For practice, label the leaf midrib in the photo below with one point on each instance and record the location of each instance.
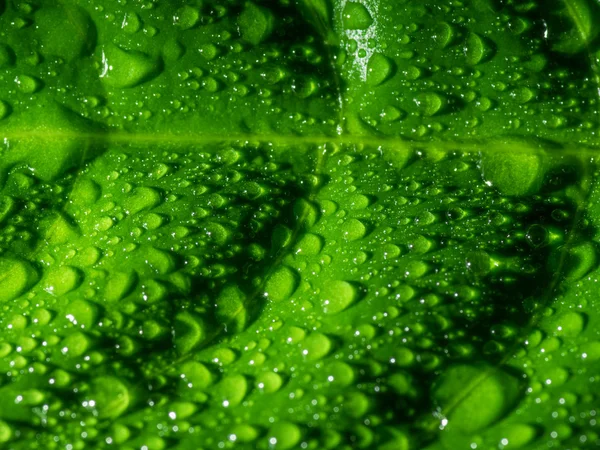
(467, 146)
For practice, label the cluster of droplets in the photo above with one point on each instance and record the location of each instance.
(447, 69)
(214, 66)
(276, 297)
(127, 267)
(248, 295)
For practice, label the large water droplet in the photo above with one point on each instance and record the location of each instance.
(356, 16)
(16, 276)
(62, 280)
(281, 284)
(337, 296)
(379, 69)
(494, 388)
(126, 69)
(353, 229)
(316, 346)
(284, 435)
(255, 23)
(188, 332)
(110, 396)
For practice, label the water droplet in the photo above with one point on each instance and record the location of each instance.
(6, 432)
(537, 236)
(126, 69)
(498, 390)
(353, 229)
(118, 285)
(443, 34)
(75, 344)
(379, 69)
(340, 374)
(231, 390)
(316, 346)
(186, 17)
(53, 23)
(5, 109)
(513, 172)
(590, 351)
(579, 261)
(305, 86)
(391, 114)
(284, 435)
(522, 95)
(16, 276)
(81, 313)
(188, 332)
(475, 49)
(210, 52)
(429, 103)
(518, 435)
(172, 51)
(337, 295)
(281, 284)
(420, 245)
(131, 23)
(356, 16)
(269, 382)
(309, 245)
(7, 56)
(217, 233)
(110, 396)
(85, 192)
(61, 280)
(244, 433)
(356, 404)
(479, 262)
(358, 201)
(195, 376)
(28, 84)
(255, 23)
(230, 308)
(159, 261)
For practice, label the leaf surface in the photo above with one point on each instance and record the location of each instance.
(308, 224)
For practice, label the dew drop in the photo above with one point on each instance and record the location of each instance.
(337, 295)
(28, 84)
(379, 69)
(283, 436)
(110, 396)
(309, 245)
(316, 346)
(231, 390)
(429, 103)
(16, 276)
(7, 56)
(356, 16)
(127, 69)
(4, 109)
(269, 382)
(255, 23)
(281, 284)
(188, 332)
(186, 17)
(62, 280)
(474, 49)
(353, 229)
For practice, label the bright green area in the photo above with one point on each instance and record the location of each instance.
(299, 224)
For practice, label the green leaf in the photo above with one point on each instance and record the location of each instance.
(298, 224)
(581, 14)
